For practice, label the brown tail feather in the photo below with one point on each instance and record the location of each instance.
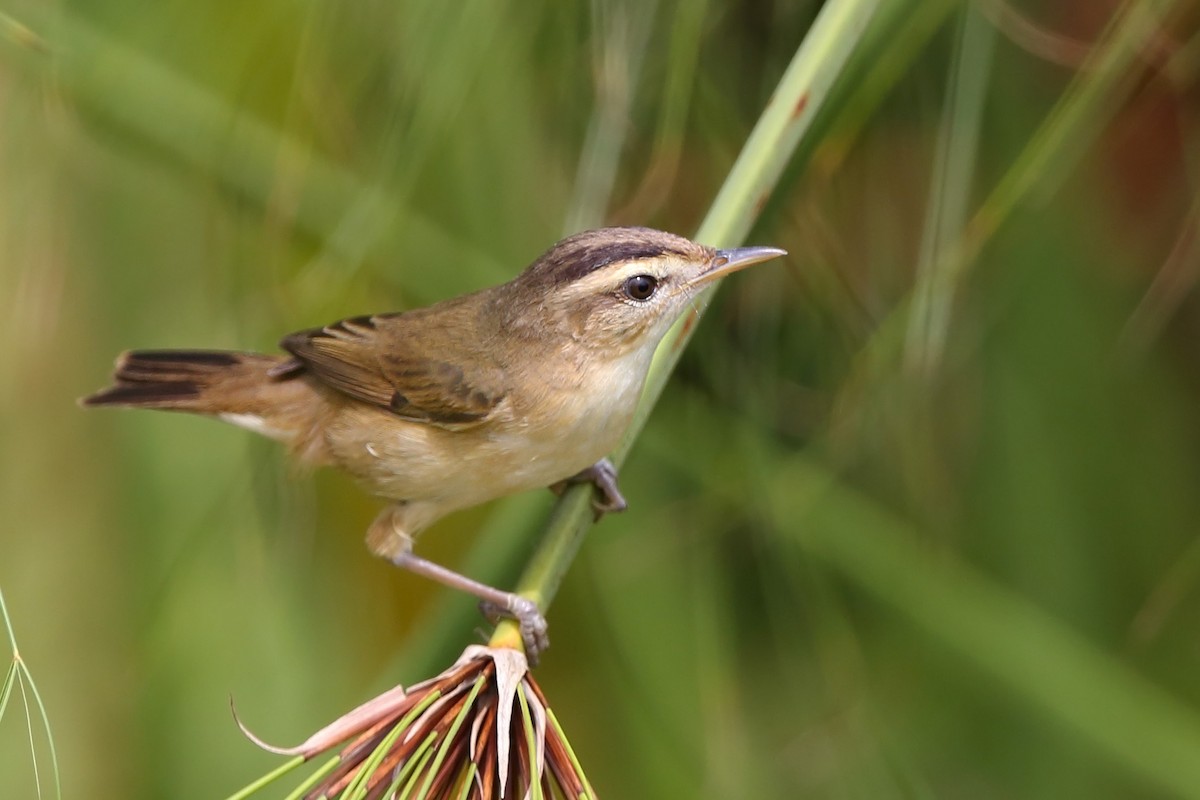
(165, 379)
(204, 382)
(184, 380)
(260, 392)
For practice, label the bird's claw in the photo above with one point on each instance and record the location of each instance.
(602, 475)
(532, 623)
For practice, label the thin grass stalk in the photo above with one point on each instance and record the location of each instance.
(357, 788)
(19, 675)
(334, 770)
(10, 677)
(16, 655)
(314, 779)
(268, 779)
(530, 746)
(410, 768)
(410, 783)
(451, 733)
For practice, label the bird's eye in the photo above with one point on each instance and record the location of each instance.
(640, 287)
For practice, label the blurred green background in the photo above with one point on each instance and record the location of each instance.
(894, 532)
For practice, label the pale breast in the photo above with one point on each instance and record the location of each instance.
(532, 441)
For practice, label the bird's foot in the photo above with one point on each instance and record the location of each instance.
(531, 621)
(602, 475)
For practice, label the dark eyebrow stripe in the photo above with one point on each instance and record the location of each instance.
(592, 259)
(584, 253)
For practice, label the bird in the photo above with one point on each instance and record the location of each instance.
(527, 384)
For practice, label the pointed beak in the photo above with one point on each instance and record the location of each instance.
(728, 261)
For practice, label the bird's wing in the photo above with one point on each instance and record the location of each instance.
(411, 364)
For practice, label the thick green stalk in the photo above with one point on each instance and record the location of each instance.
(788, 116)
(837, 32)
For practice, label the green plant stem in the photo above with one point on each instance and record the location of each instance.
(801, 92)
(837, 32)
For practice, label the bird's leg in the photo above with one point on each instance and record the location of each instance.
(522, 609)
(387, 539)
(602, 475)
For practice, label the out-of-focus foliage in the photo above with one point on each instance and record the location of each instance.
(856, 564)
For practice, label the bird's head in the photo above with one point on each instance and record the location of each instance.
(618, 290)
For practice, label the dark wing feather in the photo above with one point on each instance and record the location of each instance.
(419, 366)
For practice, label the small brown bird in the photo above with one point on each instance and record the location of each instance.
(522, 385)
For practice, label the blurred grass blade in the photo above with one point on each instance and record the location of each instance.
(1046, 664)
(194, 126)
(687, 25)
(620, 49)
(1104, 83)
(950, 193)
(898, 34)
(1100, 88)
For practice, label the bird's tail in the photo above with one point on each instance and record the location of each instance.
(259, 392)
